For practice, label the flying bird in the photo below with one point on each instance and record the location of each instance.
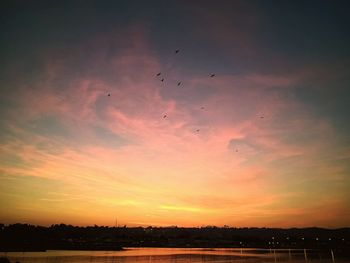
(261, 117)
(159, 74)
(212, 75)
(202, 108)
(177, 51)
(109, 94)
(162, 80)
(197, 130)
(179, 83)
(164, 116)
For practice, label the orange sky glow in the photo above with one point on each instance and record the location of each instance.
(238, 149)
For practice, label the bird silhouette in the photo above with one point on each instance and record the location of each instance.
(197, 130)
(162, 80)
(177, 51)
(202, 108)
(261, 117)
(164, 116)
(212, 75)
(179, 83)
(109, 94)
(159, 74)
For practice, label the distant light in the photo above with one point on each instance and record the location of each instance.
(287, 237)
(343, 239)
(317, 238)
(269, 243)
(273, 237)
(277, 242)
(302, 238)
(329, 239)
(240, 243)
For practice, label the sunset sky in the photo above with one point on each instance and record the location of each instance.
(265, 142)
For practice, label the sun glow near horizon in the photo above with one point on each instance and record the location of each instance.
(84, 139)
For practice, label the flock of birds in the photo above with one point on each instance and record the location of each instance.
(178, 84)
(159, 75)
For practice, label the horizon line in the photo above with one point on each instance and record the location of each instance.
(173, 226)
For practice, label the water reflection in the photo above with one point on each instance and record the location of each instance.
(165, 255)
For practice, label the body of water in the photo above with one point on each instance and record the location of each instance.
(179, 255)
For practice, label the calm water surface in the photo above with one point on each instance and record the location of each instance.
(179, 255)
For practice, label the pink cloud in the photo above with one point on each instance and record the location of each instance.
(165, 162)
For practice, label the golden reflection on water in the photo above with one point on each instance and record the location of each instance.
(165, 255)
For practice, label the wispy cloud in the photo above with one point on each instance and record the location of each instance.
(238, 148)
